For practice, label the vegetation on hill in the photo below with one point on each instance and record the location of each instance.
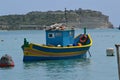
(78, 18)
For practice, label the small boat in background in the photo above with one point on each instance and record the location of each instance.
(119, 27)
(60, 44)
(6, 61)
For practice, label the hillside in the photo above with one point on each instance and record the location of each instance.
(38, 20)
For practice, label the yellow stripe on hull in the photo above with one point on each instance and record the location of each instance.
(32, 52)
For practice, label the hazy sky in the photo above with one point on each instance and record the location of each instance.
(107, 7)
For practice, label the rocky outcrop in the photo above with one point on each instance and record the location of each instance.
(38, 20)
(95, 22)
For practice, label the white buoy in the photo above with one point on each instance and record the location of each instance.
(110, 52)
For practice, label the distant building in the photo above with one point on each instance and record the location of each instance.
(4, 27)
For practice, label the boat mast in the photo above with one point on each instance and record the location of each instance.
(66, 16)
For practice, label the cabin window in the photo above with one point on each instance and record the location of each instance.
(51, 35)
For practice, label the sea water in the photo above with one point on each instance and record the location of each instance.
(97, 67)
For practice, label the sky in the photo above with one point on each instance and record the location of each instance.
(107, 7)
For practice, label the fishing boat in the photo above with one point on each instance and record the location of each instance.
(60, 44)
(6, 61)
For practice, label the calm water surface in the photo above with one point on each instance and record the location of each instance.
(97, 67)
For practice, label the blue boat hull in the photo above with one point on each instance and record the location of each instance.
(38, 58)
